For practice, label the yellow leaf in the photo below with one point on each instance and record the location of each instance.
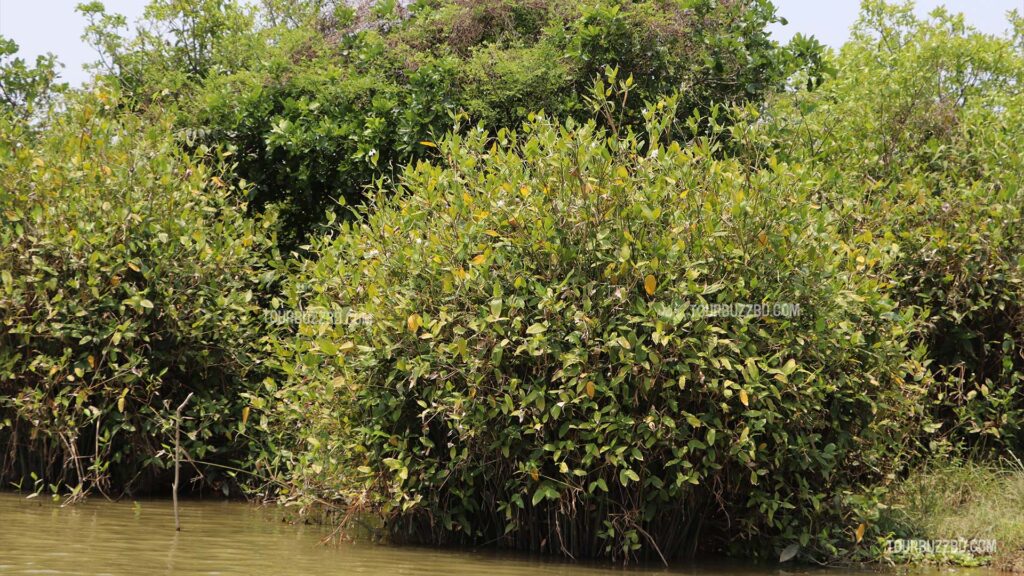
(744, 399)
(414, 322)
(860, 531)
(534, 474)
(133, 266)
(347, 346)
(106, 170)
(245, 415)
(479, 259)
(762, 238)
(428, 144)
(492, 233)
(92, 361)
(120, 404)
(650, 283)
(115, 281)
(590, 390)
(217, 181)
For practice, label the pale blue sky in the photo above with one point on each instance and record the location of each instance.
(40, 26)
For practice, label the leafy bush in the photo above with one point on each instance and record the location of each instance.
(128, 276)
(521, 355)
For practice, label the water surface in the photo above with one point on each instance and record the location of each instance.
(38, 536)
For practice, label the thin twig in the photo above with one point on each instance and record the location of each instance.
(177, 459)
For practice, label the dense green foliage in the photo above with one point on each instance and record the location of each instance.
(129, 278)
(918, 143)
(531, 329)
(317, 112)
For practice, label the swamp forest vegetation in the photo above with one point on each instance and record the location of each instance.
(457, 268)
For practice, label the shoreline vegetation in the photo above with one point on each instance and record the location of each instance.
(620, 279)
(948, 502)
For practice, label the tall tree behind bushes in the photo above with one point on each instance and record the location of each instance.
(317, 100)
(27, 90)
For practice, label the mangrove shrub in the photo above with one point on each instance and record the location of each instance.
(572, 341)
(127, 280)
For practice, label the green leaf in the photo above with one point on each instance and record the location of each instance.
(546, 490)
(625, 475)
(536, 329)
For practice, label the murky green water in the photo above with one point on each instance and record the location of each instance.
(38, 536)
